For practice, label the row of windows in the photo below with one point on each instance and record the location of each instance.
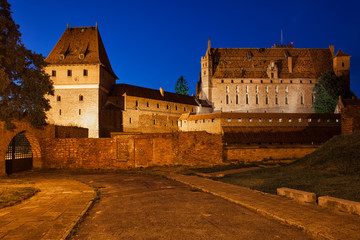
(61, 112)
(256, 89)
(158, 106)
(271, 81)
(58, 98)
(154, 121)
(69, 73)
(270, 120)
(266, 99)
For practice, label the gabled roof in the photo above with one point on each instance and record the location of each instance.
(135, 91)
(341, 54)
(80, 40)
(253, 62)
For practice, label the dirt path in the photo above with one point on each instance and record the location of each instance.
(148, 207)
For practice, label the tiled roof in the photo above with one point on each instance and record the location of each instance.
(350, 102)
(135, 91)
(80, 40)
(341, 54)
(253, 62)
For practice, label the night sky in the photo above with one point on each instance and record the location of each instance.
(153, 43)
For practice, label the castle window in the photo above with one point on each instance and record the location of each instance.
(58, 98)
(176, 107)
(69, 73)
(239, 119)
(147, 104)
(280, 81)
(196, 121)
(290, 81)
(232, 81)
(154, 121)
(184, 109)
(213, 120)
(261, 81)
(256, 89)
(237, 99)
(319, 120)
(242, 81)
(204, 120)
(270, 119)
(237, 89)
(136, 103)
(158, 105)
(342, 64)
(130, 120)
(79, 111)
(250, 119)
(336, 120)
(280, 119)
(257, 99)
(59, 111)
(259, 119)
(276, 89)
(247, 99)
(286, 89)
(310, 81)
(309, 120)
(272, 75)
(222, 81)
(302, 99)
(247, 88)
(192, 109)
(286, 99)
(85, 72)
(250, 81)
(81, 98)
(53, 73)
(229, 119)
(300, 81)
(290, 120)
(172, 122)
(167, 107)
(299, 120)
(267, 89)
(227, 89)
(204, 72)
(276, 100)
(227, 99)
(266, 99)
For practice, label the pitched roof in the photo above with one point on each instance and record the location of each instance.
(135, 91)
(253, 62)
(80, 40)
(341, 54)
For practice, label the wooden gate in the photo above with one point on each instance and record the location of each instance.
(19, 155)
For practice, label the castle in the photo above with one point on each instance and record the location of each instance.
(242, 80)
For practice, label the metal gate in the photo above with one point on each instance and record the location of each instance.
(19, 155)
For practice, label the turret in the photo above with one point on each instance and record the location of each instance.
(341, 66)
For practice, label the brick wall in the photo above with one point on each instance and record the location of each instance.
(350, 119)
(257, 154)
(134, 150)
(71, 132)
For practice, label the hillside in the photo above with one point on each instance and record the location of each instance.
(334, 170)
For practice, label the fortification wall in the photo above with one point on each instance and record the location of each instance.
(250, 154)
(134, 150)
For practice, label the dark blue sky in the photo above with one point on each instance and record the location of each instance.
(152, 43)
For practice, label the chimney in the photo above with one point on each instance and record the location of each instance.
(290, 67)
(332, 50)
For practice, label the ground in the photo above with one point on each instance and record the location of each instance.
(133, 206)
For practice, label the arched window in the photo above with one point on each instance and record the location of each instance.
(237, 99)
(247, 98)
(81, 98)
(227, 99)
(58, 98)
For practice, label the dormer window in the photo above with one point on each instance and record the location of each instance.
(61, 56)
(81, 56)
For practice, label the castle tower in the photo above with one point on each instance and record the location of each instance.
(206, 67)
(341, 66)
(82, 75)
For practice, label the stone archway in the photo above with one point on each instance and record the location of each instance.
(19, 156)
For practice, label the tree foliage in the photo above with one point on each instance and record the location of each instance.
(182, 87)
(23, 82)
(327, 91)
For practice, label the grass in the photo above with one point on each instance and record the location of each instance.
(13, 195)
(333, 170)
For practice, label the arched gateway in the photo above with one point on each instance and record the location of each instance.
(19, 154)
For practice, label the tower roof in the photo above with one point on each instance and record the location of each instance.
(341, 54)
(80, 45)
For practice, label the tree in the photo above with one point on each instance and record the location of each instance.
(23, 82)
(182, 86)
(327, 91)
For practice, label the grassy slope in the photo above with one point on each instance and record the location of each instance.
(333, 170)
(13, 195)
